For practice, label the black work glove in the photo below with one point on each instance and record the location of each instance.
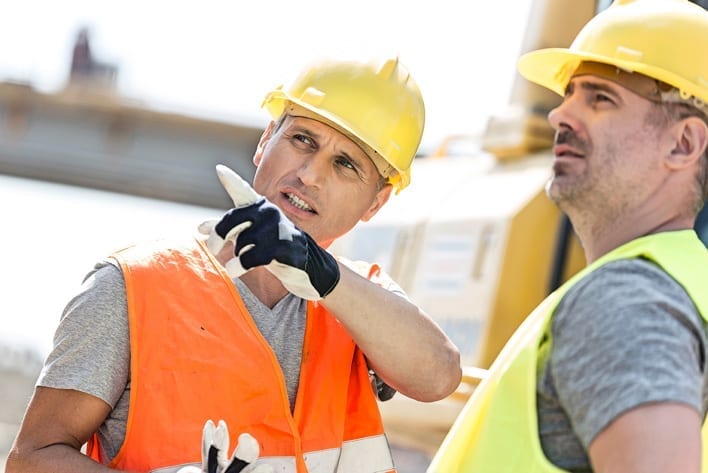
(264, 236)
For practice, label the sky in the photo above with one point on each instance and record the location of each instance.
(218, 58)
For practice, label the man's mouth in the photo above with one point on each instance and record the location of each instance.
(567, 144)
(561, 151)
(299, 203)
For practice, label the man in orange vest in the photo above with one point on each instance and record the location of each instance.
(258, 325)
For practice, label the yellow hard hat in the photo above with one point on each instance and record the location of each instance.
(377, 105)
(662, 39)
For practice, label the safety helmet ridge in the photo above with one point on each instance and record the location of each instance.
(632, 36)
(377, 105)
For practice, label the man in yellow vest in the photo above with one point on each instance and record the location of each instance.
(277, 338)
(609, 373)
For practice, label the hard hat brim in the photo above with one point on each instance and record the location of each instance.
(553, 68)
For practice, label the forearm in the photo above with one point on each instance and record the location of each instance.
(55, 458)
(55, 426)
(660, 438)
(405, 347)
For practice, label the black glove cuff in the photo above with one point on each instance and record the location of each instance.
(321, 267)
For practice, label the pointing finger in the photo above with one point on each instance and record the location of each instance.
(239, 190)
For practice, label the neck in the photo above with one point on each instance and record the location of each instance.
(600, 237)
(266, 287)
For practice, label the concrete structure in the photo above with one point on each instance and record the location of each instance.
(88, 136)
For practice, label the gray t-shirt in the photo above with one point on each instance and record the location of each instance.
(626, 335)
(91, 351)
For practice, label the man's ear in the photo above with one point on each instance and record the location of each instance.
(691, 139)
(380, 199)
(267, 134)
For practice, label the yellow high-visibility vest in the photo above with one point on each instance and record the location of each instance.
(497, 431)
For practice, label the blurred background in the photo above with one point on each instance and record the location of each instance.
(113, 115)
(218, 58)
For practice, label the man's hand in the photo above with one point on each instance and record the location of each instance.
(215, 446)
(264, 236)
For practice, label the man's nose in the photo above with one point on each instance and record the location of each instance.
(314, 170)
(564, 115)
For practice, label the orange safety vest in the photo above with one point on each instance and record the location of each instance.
(196, 354)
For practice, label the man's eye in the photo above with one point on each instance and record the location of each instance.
(603, 98)
(303, 138)
(344, 162)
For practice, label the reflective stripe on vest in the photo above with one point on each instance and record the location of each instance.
(196, 354)
(370, 454)
(497, 431)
